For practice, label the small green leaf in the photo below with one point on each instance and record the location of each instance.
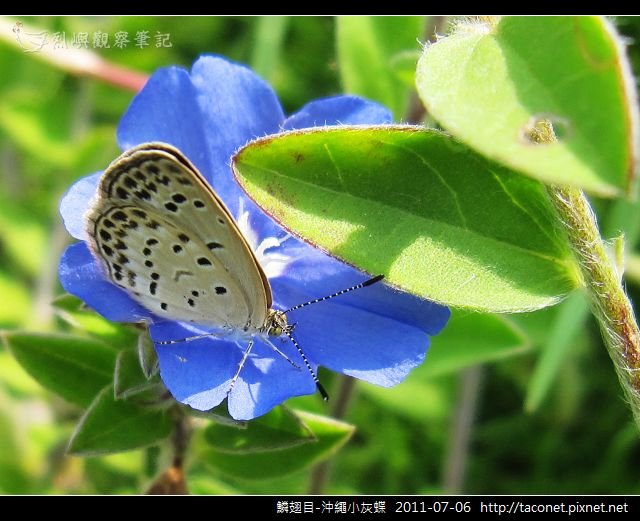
(128, 378)
(76, 368)
(330, 435)
(427, 212)
(111, 425)
(471, 339)
(369, 47)
(492, 83)
(277, 430)
(147, 357)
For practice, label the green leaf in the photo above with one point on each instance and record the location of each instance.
(111, 425)
(330, 435)
(490, 84)
(76, 368)
(129, 378)
(471, 339)
(417, 399)
(468, 339)
(431, 215)
(368, 48)
(569, 321)
(16, 307)
(147, 357)
(13, 476)
(269, 38)
(22, 237)
(277, 430)
(73, 311)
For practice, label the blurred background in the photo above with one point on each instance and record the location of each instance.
(534, 407)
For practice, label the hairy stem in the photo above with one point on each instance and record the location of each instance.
(609, 303)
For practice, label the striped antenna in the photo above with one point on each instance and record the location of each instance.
(364, 284)
(323, 392)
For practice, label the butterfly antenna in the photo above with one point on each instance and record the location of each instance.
(323, 391)
(364, 284)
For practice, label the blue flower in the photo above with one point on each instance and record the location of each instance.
(376, 334)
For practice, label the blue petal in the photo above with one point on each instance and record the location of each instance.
(166, 110)
(267, 380)
(197, 372)
(75, 203)
(80, 275)
(375, 333)
(316, 274)
(207, 115)
(237, 106)
(339, 110)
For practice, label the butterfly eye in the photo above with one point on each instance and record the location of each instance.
(275, 330)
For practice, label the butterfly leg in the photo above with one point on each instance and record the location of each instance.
(187, 339)
(240, 366)
(272, 346)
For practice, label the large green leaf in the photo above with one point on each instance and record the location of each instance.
(277, 430)
(490, 84)
(111, 425)
(369, 48)
(76, 368)
(430, 214)
(330, 435)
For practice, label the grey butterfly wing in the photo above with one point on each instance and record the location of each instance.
(164, 236)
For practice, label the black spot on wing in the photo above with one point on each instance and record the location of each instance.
(129, 182)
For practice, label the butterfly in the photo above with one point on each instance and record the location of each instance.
(163, 235)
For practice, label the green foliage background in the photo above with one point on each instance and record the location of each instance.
(542, 412)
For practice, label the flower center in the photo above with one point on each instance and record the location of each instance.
(271, 258)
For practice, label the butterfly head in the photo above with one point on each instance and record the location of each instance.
(276, 324)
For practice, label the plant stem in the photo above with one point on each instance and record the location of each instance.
(172, 481)
(320, 472)
(455, 462)
(78, 62)
(609, 303)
